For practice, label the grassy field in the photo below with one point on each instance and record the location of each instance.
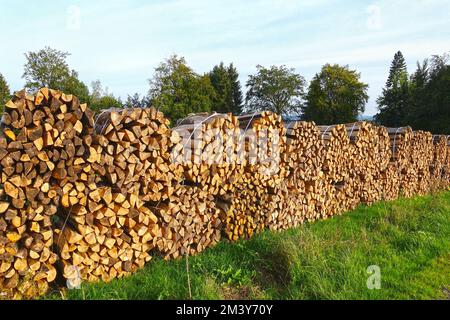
(408, 239)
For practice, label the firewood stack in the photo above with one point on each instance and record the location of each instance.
(242, 213)
(438, 164)
(390, 182)
(263, 141)
(303, 153)
(41, 150)
(338, 166)
(137, 152)
(189, 222)
(210, 151)
(309, 190)
(401, 158)
(422, 158)
(446, 169)
(111, 234)
(108, 239)
(371, 157)
(103, 197)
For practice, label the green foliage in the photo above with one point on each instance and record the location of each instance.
(336, 95)
(277, 89)
(101, 99)
(135, 101)
(430, 96)
(421, 101)
(105, 102)
(409, 239)
(4, 92)
(48, 68)
(228, 96)
(177, 90)
(394, 102)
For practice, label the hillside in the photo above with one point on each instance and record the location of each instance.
(409, 239)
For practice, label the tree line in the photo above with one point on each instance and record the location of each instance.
(421, 99)
(335, 94)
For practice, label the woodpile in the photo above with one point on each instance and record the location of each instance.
(262, 142)
(338, 167)
(437, 167)
(137, 147)
(189, 223)
(446, 169)
(390, 182)
(312, 193)
(241, 212)
(43, 145)
(109, 238)
(371, 156)
(210, 151)
(303, 154)
(94, 200)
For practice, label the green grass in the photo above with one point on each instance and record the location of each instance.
(409, 239)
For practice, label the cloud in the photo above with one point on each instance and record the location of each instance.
(73, 20)
(374, 21)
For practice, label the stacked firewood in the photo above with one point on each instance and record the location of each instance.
(210, 151)
(189, 222)
(138, 146)
(401, 158)
(415, 175)
(423, 150)
(244, 211)
(112, 232)
(264, 140)
(102, 197)
(41, 153)
(390, 182)
(310, 194)
(446, 169)
(109, 238)
(303, 153)
(284, 208)
(437, 168)
(371, 157)
(338, 167)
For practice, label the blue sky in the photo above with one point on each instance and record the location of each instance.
(121, 42)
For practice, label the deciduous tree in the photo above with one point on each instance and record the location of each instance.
(335, 95)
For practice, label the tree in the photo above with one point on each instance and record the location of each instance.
(96, 90)
(335, 95)
(4, 92)
(277, 89)
(225, 81)
(177, 90)
(430, 96)
(394, 101)
(101, 99)
(48, 68)
(106, 102)
(135, 101)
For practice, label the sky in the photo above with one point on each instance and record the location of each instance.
(121, 42)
